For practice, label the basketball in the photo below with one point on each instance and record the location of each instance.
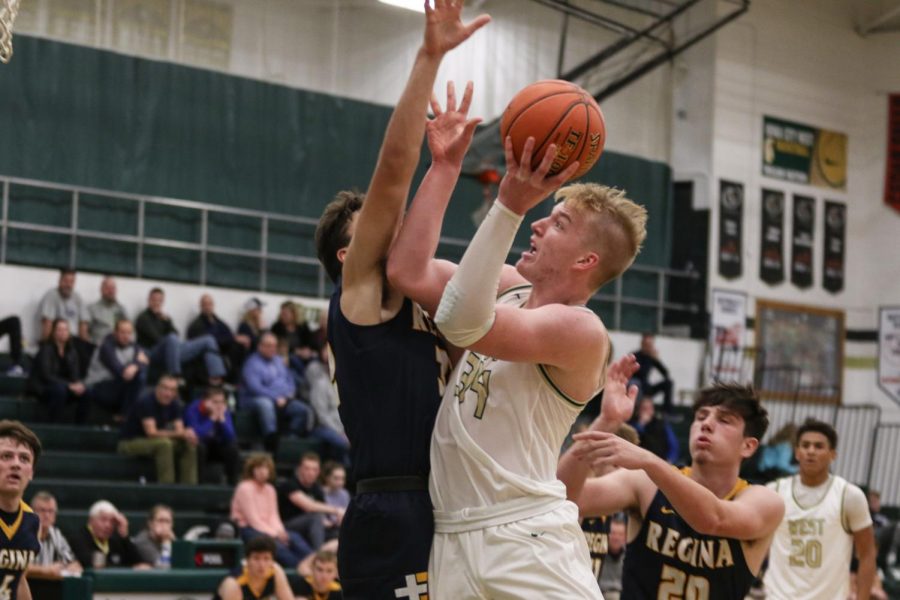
(558, 112)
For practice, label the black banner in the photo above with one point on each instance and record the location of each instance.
(835, 241)
(771, 255)
(731, 216)
(892, 176)
(802, 241)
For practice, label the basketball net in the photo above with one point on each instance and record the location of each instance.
(8, 11)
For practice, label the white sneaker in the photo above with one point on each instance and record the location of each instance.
(16, 371)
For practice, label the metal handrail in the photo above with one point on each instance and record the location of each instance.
(203, 247)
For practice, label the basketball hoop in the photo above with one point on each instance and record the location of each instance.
(8, 11)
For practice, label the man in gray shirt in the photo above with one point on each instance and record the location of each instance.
(118, 370)
(105, 312)
(63, 302)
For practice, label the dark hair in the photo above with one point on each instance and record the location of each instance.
(157, 508)
(310, 455)
(213, 390)
(66, 271)
(330, 467)
(332, 231)
(119, 322)
(262, 544)
(817, 426)
(156, 290)
(739, 399)
(56, 322)
(15, 430)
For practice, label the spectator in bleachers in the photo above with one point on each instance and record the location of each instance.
(776, 458)
(105, 542)
(301, 502)
(12, 327)
(211, 420)
(154, 427)
(56, 375)
(56, 557)
(254, 507)
(882, 526)
(118, 370)
(268, 389)
(610, 578)
(322, 584)
(648, 359)
(260, 577)
(233, 350)
(251, 325)
(63, 302)
(158, 336)
(292, 327)
(655, 434)
(154, 544)
(105, 312)
(334, 482)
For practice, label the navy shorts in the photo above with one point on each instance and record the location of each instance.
(384, 545)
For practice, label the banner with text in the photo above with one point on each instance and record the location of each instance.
(731, 216)
(835, 242)
(728, 328)
(771, 255)
(889, 351)
(892, 178)
(803, 154)
(802, 241)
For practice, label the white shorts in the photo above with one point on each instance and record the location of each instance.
(542, 557)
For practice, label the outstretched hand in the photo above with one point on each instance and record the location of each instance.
(450, 132)
(604, 451)
(521, 188)
(618, 396)
(444, 30)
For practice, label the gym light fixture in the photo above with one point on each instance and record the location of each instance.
(416, 5)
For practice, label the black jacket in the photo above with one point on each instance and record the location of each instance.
(49, 367)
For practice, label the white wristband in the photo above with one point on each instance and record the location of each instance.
(466, 311)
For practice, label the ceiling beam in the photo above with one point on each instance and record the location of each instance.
(874, 25)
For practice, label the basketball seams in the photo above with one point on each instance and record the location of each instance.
(539, 148)
(525, 108)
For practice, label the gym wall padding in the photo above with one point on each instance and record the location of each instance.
(81, 116)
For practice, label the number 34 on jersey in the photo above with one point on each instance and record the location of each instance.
(475, 378)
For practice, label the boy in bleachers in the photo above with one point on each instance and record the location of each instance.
(211, 420)
(322, 584)
(154, 544)
(261, 576)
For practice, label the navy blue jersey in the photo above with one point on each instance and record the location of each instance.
(19, 547)
(668, 559)
(596, 533)
(390, 378)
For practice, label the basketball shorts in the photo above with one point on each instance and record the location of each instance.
(545, 557)
(384, 544)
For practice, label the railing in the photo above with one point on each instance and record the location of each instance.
(256, 229)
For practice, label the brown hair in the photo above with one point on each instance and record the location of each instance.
(325, 556)
(332, 231)
(17, 431)
(256, 460)
(817, 426)
(739, 399)
(157, 508)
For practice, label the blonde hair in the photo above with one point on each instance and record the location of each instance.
(611, 208)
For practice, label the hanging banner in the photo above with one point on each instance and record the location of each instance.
(892, 178)
(889, 351)
(771, 255)
(802, 241)
(835, 240)
(728, 326)
(803, 154)
(731, 216)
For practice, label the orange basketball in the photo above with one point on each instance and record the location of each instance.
(556, 112)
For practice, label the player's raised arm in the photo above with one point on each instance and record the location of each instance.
(363, 269)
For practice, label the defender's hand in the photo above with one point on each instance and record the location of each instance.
(444, 30)
(450, 133)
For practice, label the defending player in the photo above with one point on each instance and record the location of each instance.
(535, 356)
(389, 364)
(696, 533)
(825, 517)
(19, 450)
(260, 578)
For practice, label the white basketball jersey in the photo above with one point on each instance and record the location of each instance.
(810, 554)
(497, 440)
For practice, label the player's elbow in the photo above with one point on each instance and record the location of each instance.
(399, 273)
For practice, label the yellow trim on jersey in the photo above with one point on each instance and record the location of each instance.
(555, 389)
(739, 486)
(244, 580)
(10, 530)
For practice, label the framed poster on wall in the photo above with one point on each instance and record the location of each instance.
(800, 352)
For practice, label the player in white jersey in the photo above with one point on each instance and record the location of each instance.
(825, 517)
(535, 356)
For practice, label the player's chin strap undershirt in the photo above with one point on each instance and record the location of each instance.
(466, 312)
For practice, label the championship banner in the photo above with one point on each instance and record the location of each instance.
(889, 351)
(803, 154)
(835, 241)
(892, 178)
(728, 326)
(802, 241)
(771, 255)
(731, 216)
